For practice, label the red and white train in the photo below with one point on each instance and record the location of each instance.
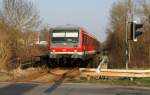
(71, 44)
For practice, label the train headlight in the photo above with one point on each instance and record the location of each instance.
(75, 50)
(53, 50)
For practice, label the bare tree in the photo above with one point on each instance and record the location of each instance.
(44, 34)
(17, 19)
(20, 14)
(5, 49)
(116, 39)
(139, 51)
(146, 9)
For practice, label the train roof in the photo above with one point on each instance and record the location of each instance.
(67, 27)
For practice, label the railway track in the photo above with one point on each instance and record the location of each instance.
(51, 76)
(62, 74)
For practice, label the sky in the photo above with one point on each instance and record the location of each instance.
(92, 15)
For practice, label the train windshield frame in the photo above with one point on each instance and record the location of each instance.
(65, 36)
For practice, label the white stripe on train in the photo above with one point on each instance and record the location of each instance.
(79, 53)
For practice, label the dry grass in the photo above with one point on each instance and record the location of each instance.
(5, 77)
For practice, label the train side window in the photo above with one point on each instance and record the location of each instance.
(83, 41)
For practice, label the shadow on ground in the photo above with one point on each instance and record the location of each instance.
(16, 89)
(56, 84)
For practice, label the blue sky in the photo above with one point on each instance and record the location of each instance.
(93, 15)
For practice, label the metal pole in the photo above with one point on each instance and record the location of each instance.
(126, 38)
(127, 44)
(126, 41)
(131, 20)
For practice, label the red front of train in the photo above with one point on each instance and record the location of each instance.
(72, 42)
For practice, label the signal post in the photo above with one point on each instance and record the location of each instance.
(135, 31)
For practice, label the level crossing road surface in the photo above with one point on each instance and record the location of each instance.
(69, 89)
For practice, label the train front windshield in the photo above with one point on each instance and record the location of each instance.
(65, 36)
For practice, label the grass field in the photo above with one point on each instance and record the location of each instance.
(124, 82)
